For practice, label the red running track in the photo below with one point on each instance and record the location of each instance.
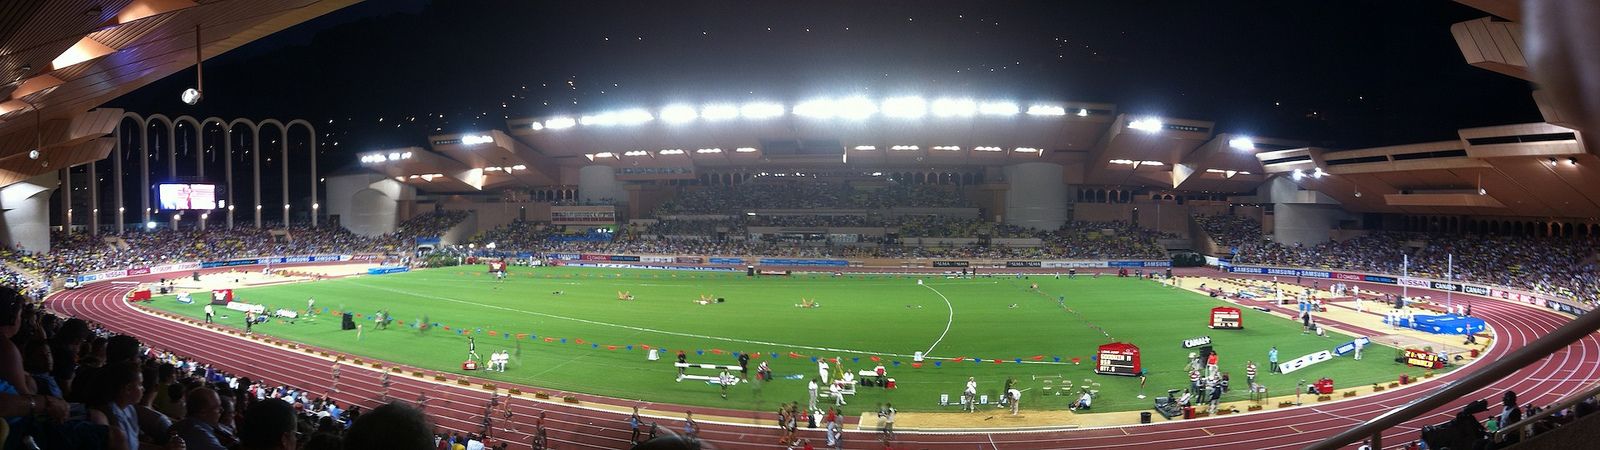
(453, 407)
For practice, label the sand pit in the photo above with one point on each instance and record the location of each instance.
(239, 279)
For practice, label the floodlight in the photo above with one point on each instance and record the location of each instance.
(476, 139)
(998, 109)
(1297, 174)
(557, 123)
(855, 108)
(536, 126)
(708, 150)
(1318, 173)
(1083, 112)
(745, 150)
(519, 167)
(866, 147)
(1026, 150)
(605, 155)
(719, 112)
(635, 153)
(1148, 124)
(986, 149)
(905, 107)
(761, 110)
(819, 108)
(1242, 143)
(672, 151)
(948, 148)
(904, 147)
(951, 107)
(1046, 110)
(678, 114)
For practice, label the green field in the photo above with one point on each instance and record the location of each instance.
(889, 317)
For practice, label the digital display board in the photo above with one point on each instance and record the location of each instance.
(186, 196)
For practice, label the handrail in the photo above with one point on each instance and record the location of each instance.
(1548, 411)
(1560, 338)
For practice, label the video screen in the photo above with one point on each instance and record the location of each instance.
(187, 196)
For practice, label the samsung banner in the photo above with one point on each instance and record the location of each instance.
(1139, 263)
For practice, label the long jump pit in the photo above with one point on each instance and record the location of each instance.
(238, 279)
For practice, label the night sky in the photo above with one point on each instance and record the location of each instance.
(1345, 74)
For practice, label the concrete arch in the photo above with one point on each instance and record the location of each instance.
(311, 131)
(255, 165)
(283, 149)
(144, 169)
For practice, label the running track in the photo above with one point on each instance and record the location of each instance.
(453, 407)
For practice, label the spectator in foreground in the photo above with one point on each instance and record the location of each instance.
(199, 428)
(268, 425)
(392, 426)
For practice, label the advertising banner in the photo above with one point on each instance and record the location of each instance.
(564, 256)
(1072, 264)
(623, 258)
(1351, 346)
(1197, 342)
(655, 259)
(951, 264)
(138, 271)
(1378, 279)
(1413, 282)
(1305, 361)
(1023, 264)
(246, 307)
(1444, 286)
(727, 260)
(389, 269)
(687, 260)
(803, 262)
(594, 257)
(1346, 276)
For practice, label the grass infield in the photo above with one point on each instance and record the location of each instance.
(859, 317)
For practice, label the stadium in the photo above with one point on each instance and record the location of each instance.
(878, 269)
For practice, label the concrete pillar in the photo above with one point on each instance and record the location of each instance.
(25, 213)
(94, 197)
(65, 176)
(1037, 197)
(599, 182)
(116, 180)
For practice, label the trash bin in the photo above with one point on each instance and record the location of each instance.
(1188, 412)
(1144, 417)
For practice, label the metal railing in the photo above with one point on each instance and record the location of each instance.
(1560, 338)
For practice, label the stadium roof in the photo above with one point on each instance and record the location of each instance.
(64, 57)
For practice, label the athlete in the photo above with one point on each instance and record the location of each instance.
(472, 349)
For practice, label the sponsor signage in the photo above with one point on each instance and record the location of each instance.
(1444, 286)
(139, 271)
(1197, 342)
(773, 272)
(230, 263)
(246, 307)
(388, 269)
(1281, 271)
(1475, 290)
(652, 266)
(1426, 360)
(1305, 361)
(951, 264)
(1413, 282)
(592, 257)
(565, 256)
(802, 262)
(655, 259)
(623, 258)
(687, 260)
(1351, 346)
(1023, 264)
(1346, 276)
(1073, 264)
(1378, 279)
(727, 260)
